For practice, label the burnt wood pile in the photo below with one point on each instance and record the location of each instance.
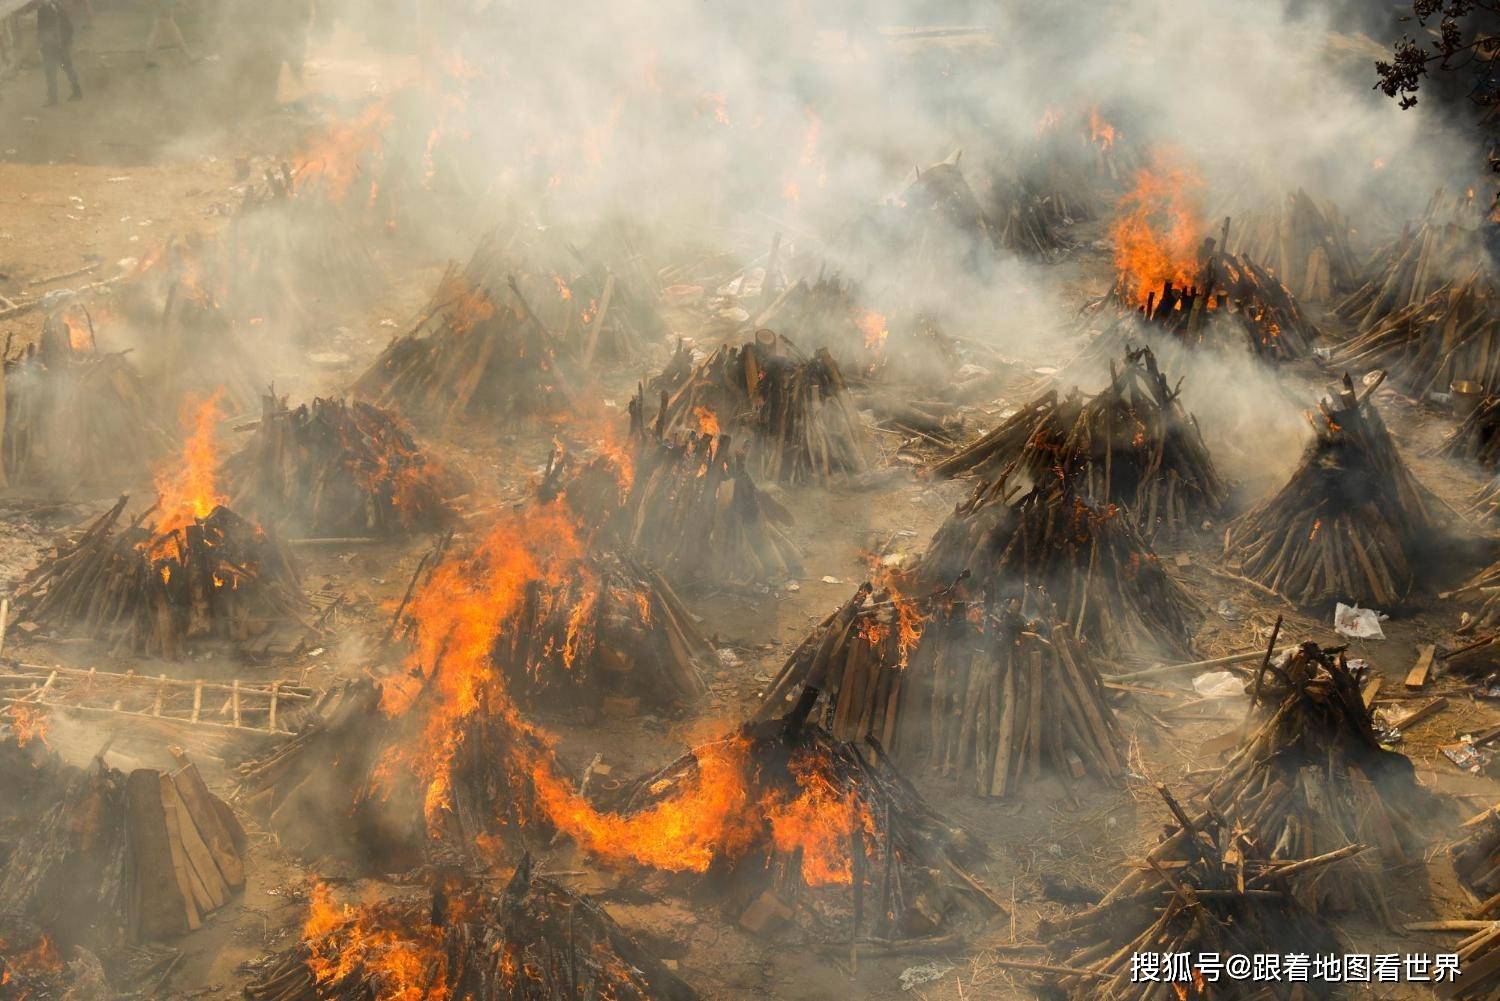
(122, 859)
(73, 415)
(1306, 245)
(1052, 546)
(969, 690)
(1352, 523)
(1207, 887)
(1452, 335)
(794, 411)
(1132, 444)
(1024, 216)
(31, 965)
(337, 468)
(217, 580)
(1314, 777)
(603, 633)
(534, 941)
(1476, 859)
(1410, 270)
(833, 838)
(480, 350)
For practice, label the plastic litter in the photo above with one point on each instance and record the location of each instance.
(1358, 623)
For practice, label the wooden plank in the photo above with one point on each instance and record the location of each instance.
(1418, 676)
(234, 701)
(204, 808)
(161, 692)
(198, 702)
(1372, 689)
(158, 903)
(271, 723)
(1421, 713)
(198, 854)
(194, 896)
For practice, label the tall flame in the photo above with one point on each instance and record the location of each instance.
(407, 962)
(188, 486)
(1101, 133)
(1158, 227)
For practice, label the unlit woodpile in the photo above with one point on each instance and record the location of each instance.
(535, 941)
(336, 468)
(794, 411)
(73, 415)
(606, 626)
(1305, 245)
(1476, 859)
(1022, 216)
(1132, 443)
(1477, 436)
(1407, 272)
(1451, 335)
(1208, 887)
(1049, 544)
(870, 859)
(127, 858)
(219, 579)
(967, 689)
(1352, 524)
(1313, 778)
(479, 350)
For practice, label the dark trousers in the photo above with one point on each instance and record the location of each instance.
(54, 59)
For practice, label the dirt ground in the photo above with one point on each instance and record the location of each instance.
(90, 184)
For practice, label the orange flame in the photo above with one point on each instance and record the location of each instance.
(708, 423)
(338, 157)
(188, 487)
(872, 325)
(27, 723)
(1158, 228)
(1048, 121)
(1101, 133)
(408, 963)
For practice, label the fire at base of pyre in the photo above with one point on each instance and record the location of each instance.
(1351, 523)
(535, 941)
(1314, 778)
(73, 415)
(335, 467)
(784, 824)
(687, 505)
(121, 859)
(794, 411)
(1048, 544)
(1131, 444)
(31, 965)
(1208, 887)
(216, 580)
(968, 689)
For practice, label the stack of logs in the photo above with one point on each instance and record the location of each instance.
(1304, 244)
(219, 579)
(1207, 888)
(1452, 335)
(479, 350)
(1351, 523)
(535, 941)
(691, 508)
(1049, 545)
(127, 858)
(72, 415)
(1417, 264)
(336, 468)
(891, 868)
(794, 411)
(1131, 444)
(1314, 777)
(969, 690)
(608, 633)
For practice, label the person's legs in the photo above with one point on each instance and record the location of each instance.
(49, 67)
(67, 65)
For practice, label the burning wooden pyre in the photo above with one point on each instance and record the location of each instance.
(793, 411)
(534, 941)
(337, 468)
(1351, 523)
(1131, 444)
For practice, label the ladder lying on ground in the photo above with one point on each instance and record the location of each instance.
(259, 708)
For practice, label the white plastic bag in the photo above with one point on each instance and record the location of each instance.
(1357, 623)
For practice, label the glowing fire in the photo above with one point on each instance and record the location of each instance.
(27, 723)
(188, 486)
(820, 822)
(872, 325)
(407, 962)
(1101, 133)
(1048, 121)
(342, 153)
(707, 423)
(1158, 228)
